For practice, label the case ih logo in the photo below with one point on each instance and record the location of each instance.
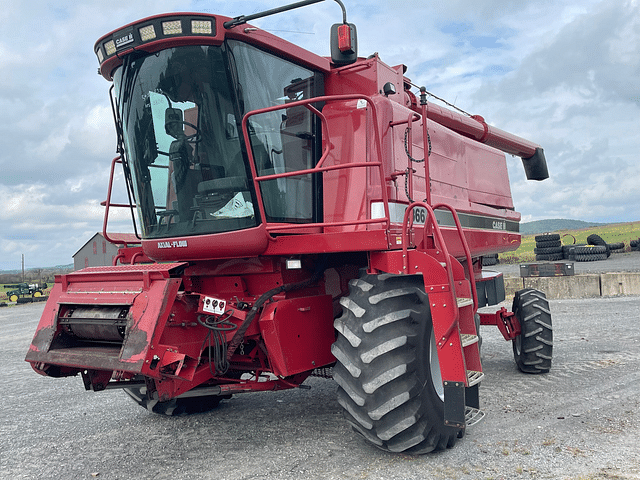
(123, 40)
(499, 225)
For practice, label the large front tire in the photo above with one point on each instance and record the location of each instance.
(533, 348)
(387, 366)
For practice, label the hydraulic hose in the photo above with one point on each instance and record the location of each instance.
(239, 335)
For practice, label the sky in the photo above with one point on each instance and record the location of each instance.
(562, 73)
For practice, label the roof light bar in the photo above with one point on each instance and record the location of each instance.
(201, 27)
(173, 27)
(110, 48)
(153, 29)
(147, 33)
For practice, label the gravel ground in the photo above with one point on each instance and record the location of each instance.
(579, 421)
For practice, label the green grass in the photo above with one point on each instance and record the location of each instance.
(612, 233)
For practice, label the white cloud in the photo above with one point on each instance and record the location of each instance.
(97, 133)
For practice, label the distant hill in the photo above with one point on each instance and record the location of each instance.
(56, 269)
(554, 225)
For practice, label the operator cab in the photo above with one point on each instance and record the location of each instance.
(181, 110)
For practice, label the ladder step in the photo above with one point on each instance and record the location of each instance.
(468, 339)
(465, 302)
(474, 377)
(473, 416)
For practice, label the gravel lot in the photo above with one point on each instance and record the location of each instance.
(580, 421)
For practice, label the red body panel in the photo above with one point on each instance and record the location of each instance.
(292, 323)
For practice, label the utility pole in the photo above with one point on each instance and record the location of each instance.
(23, 268)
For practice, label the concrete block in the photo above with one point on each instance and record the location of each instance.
(615, 284)
(579, 286)
(512, 285)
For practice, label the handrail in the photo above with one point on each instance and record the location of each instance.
(107, 203)
(467, 250)
(427, 150)
(412, 118)
(120, 256)
(318, 168)
(294, 226)
(409, 150)
(447, 258)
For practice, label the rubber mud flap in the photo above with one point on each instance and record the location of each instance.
(454, 404)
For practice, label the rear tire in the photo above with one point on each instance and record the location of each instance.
(175, 406)
(533, 348)
(590, 249)
(615, 247)
(553, 257)
(596, 257)
(387, 366)
(489, 260)
(594, 239)
(547, 250)
(547, 237)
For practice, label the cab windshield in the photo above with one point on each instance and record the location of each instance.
(181, 112)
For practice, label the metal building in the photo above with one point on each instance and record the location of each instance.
(98, 251)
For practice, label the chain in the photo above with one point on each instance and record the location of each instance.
(442, 100)
(406, 185)
(406, 146)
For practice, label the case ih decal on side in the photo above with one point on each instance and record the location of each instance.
(298, 215)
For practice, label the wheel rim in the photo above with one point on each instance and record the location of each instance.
(434, 366)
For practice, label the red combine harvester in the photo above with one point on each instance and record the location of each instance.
(298, 215)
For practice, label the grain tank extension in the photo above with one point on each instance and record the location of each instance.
(298, 215)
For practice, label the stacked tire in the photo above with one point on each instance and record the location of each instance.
(548, 247)
(616, 247)
(489, 260)
(596, 240)
(590, 253)
(595, 250)
(569, 251)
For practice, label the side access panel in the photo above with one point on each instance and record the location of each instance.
(298, 334)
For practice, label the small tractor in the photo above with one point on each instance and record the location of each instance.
(22, 290)
(299, 215)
